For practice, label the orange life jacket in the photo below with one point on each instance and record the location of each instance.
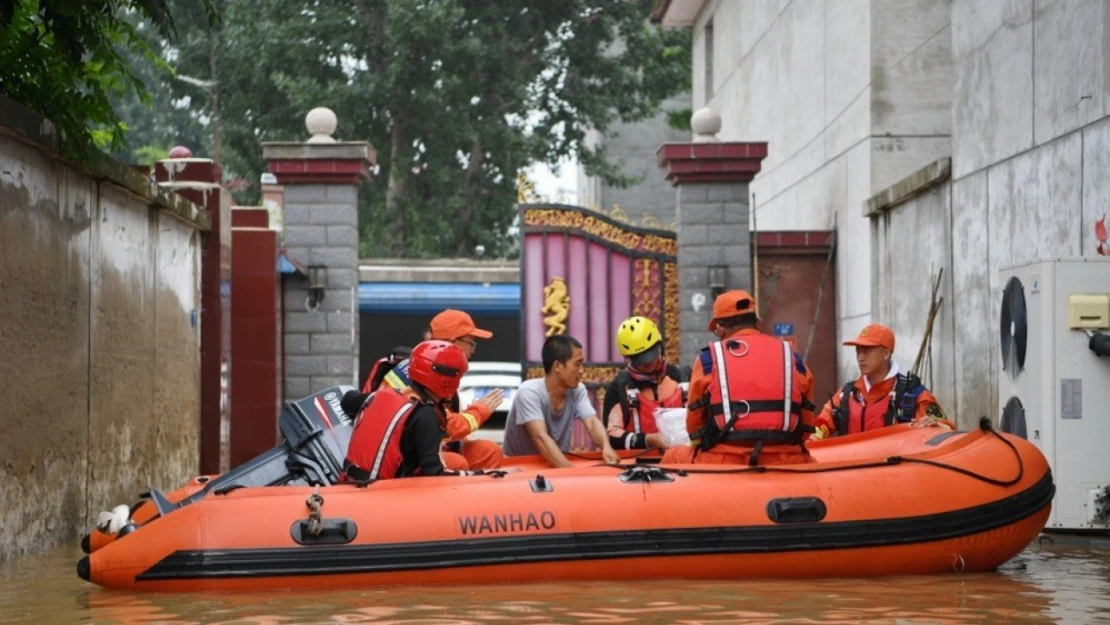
(383, 366)
(754, 392)
(375, 449)
(639, 415)
(855, 415)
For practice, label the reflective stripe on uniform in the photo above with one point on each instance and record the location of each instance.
(722, 379)
(470, 419)
(394, 381)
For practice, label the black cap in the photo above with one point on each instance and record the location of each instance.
(353, 402)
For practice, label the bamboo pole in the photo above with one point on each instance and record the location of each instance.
(755, 254)
(934, 309)
(821, 291)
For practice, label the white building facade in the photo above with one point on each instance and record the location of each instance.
(979, 128)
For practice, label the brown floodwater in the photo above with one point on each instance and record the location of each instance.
(1046, 584)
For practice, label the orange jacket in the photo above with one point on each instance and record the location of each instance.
(876, 403)
(463, 424)
(699, 385)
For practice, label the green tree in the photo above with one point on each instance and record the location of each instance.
(70, 60)
(456, 96)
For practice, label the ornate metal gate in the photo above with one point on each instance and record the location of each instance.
(583, 272)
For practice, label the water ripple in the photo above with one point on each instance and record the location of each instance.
(1044, 585)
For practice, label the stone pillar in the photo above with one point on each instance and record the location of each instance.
(712, 180)
(320, 180)
(199, 181)
(256, 379)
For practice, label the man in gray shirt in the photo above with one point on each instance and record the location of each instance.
(544, 410)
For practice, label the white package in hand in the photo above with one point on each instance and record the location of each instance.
(672, 426)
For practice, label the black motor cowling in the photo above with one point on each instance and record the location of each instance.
(316, 431)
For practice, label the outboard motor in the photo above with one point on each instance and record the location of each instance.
(317, 431)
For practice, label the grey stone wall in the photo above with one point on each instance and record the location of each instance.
(99, 285)
(712, 230)
(632, 147)
(321, 346)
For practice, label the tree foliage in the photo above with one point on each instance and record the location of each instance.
(456, 96)
(70, 61)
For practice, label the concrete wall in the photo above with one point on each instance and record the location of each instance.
(1043, 202)
(911, 244)
(99, 282)
(1026, 73)
(854, 95)
(911, 86)
(632, 147)
(1030, 164)
(851, 97)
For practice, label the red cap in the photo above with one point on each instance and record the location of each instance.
(731, 304)
(454, 324)
(874, 335)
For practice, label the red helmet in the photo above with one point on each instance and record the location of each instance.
(437, 366)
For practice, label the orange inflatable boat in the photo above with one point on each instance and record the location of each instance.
(316, 431)
(902, 500)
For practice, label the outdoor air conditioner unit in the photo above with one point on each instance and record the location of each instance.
(1052, 389)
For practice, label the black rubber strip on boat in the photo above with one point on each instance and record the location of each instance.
(350, 559)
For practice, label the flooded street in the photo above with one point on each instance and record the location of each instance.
(1054, 584)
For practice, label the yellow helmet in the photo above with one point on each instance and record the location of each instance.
(637, 335)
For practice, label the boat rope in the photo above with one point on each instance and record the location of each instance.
(315, 519)
(984, 425)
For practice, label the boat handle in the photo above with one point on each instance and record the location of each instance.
(541, 484)
(334, 532)
(796, 510)
(636, 474)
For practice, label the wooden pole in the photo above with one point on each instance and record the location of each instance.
(934, 308)
(755, 254)
(821, 291)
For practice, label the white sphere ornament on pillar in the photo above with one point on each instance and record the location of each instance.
(706, 123)
(321, 122)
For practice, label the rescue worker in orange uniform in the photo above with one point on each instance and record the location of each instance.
(882, 395)
(458, 328)
(646, 384)
(749, 394)
(398, 434)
